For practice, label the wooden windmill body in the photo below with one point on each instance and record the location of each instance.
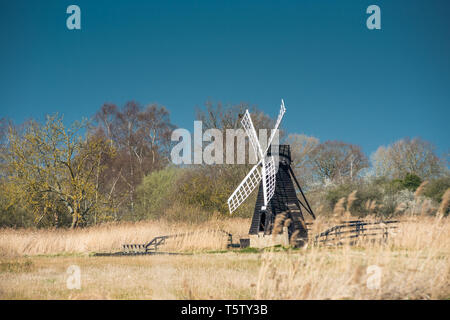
(286, 208)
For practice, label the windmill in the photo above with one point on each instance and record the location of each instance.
(277, 204)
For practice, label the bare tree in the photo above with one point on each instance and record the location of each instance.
(405, 156)
(336, 160)
(141, 137)
(229, 117)
(302, 147)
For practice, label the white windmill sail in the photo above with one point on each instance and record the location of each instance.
(271, 172)
(271, 169)
(277, 124)
(251, 132)
(255, 175)
(245, 188)
(265, 170)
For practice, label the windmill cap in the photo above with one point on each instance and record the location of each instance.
(284, 152)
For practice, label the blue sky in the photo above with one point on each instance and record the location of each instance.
(339, 80)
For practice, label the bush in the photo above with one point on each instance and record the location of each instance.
(190, 194)
(14, 217)
(394, 186)
(14, 214)
(335, 193)
(411, 181)
(383, 194)
(157, 193)
(186, 213)
(365, 191)
(208, 188)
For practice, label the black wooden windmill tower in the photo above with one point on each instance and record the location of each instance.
(277, 204)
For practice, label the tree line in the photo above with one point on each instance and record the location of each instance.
(116, 166)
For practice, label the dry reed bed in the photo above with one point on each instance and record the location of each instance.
(414, 264)
(414, 233)
(110, 237)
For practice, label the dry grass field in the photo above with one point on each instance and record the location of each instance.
(414, 264)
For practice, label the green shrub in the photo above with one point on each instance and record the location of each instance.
(190, 194)
(394, 186)
(383, 191)
(208, 188)
(12, 214)
(335, 193)
(157, 192)
(15, 217)
(411, 181)
(435, 189)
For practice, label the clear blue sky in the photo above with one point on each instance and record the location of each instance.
(339, 80)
